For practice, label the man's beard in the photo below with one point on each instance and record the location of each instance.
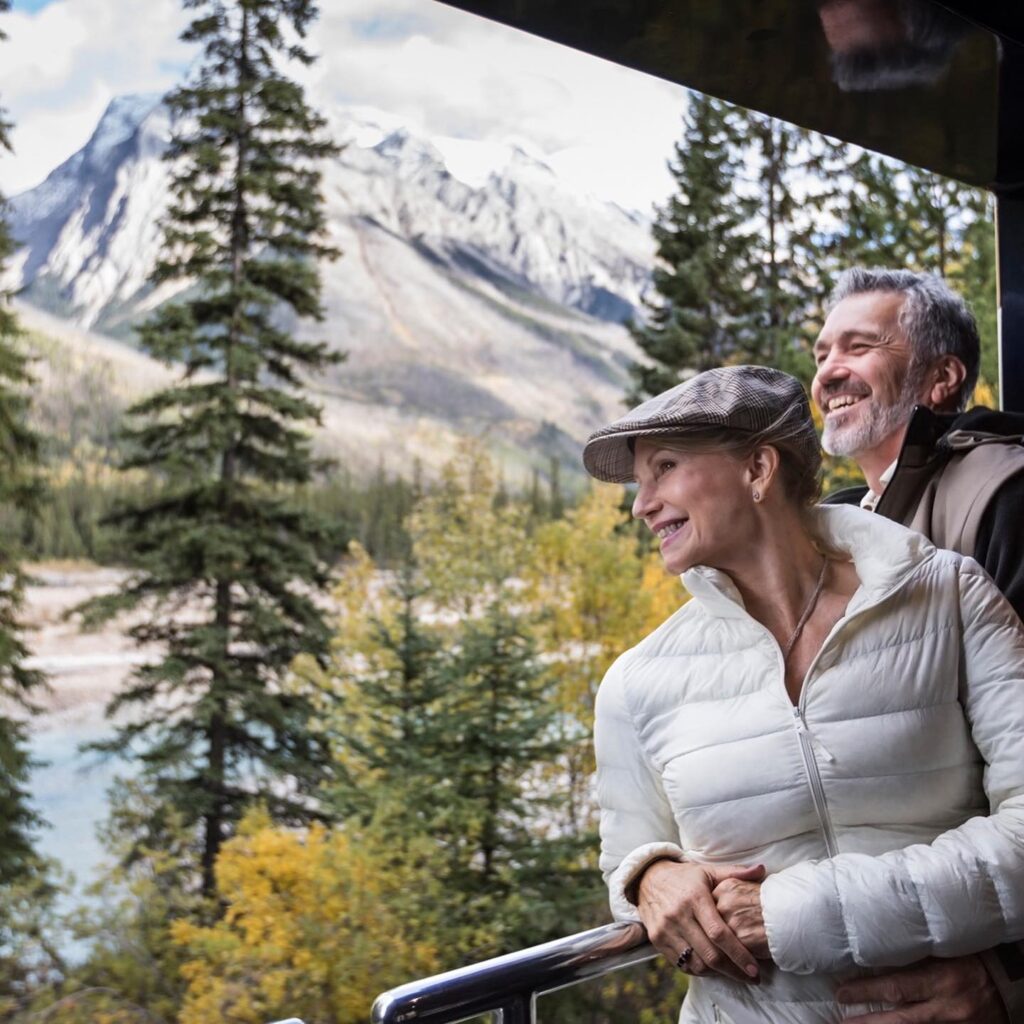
(874, 422)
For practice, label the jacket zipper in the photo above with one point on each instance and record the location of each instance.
(807, 749)
(803, 733)
(814, 777)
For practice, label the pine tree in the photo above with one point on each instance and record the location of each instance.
(19, 492)
(443, 721)
(895, 215)
(700, 315)
(27, 884)
(743, 258)
(506, 861)
(796, 183)
(228, 565)
(975, 275)
(556, 503)
(499, 717)
(534, 497)
(389, 750)
(765, 216)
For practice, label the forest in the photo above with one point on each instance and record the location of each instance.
(364, 755)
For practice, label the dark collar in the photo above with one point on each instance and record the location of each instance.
(921, 455)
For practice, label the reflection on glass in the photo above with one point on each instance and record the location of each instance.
(888, 44)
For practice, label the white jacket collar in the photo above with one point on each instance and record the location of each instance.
(883, 553)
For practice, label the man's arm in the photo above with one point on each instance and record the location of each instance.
(1000, 549)
(961, 892)
(989, 987)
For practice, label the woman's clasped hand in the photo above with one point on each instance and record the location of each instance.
(677, 904)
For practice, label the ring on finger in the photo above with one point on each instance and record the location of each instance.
(684, 958)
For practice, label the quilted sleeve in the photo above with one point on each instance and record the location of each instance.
(960, 894)
(637, 825)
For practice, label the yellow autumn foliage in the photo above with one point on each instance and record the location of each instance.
(596, 595)
(315, 927)
(468, 547)
(984, 394)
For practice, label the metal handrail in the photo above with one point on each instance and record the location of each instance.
(509, 985)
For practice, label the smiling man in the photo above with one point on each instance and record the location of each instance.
(897, 361)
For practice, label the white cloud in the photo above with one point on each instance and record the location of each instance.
(442, 71)
(609, 128)
(61, 65)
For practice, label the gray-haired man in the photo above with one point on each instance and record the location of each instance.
(897, 361)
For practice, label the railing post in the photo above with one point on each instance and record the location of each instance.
(518, 1010)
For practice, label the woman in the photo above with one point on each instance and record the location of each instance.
(839, 711)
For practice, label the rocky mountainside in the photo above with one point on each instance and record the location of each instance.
(476, 294)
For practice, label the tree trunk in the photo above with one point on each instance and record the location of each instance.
(489, 837)
(214, 822)
(217, 730)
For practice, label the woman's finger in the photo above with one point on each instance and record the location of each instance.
(669, 939)
(719, 947)
(671, 942)
(694, 964)
(705, 958)
(672, 936)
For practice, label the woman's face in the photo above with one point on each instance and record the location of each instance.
(698, 504)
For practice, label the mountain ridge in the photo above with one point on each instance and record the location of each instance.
(494, 309)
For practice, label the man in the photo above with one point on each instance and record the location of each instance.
(894, 341)
(897, 361)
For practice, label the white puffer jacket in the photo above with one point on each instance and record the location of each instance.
(888, 806)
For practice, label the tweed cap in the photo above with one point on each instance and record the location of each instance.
(754, 400)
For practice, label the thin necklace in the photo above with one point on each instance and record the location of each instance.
(808, 611)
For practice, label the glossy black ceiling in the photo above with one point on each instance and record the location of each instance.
(945, 93)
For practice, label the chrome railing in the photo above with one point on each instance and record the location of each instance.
(508, 986)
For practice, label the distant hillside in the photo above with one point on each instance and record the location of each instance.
(490, 304)
(83, 382)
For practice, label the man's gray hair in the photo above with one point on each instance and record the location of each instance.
(935, 319)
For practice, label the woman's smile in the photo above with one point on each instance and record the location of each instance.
(666, 532)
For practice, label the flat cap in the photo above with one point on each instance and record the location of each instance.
(750, 399)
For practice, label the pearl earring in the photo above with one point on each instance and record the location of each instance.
(757, 495)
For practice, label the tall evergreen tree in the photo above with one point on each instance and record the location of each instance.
(895, 215)
(765, 216)
(19, 490)
(389, 748)
(499, 716)
(796, 182)
(445, 724)
(906, 216)
(228, 565)
(975, 275)
(556, 504)
(27, 887)
(512, 867)
(700, 315)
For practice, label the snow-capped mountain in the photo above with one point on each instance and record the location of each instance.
(477, 293)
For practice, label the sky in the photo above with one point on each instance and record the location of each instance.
(443, 72)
